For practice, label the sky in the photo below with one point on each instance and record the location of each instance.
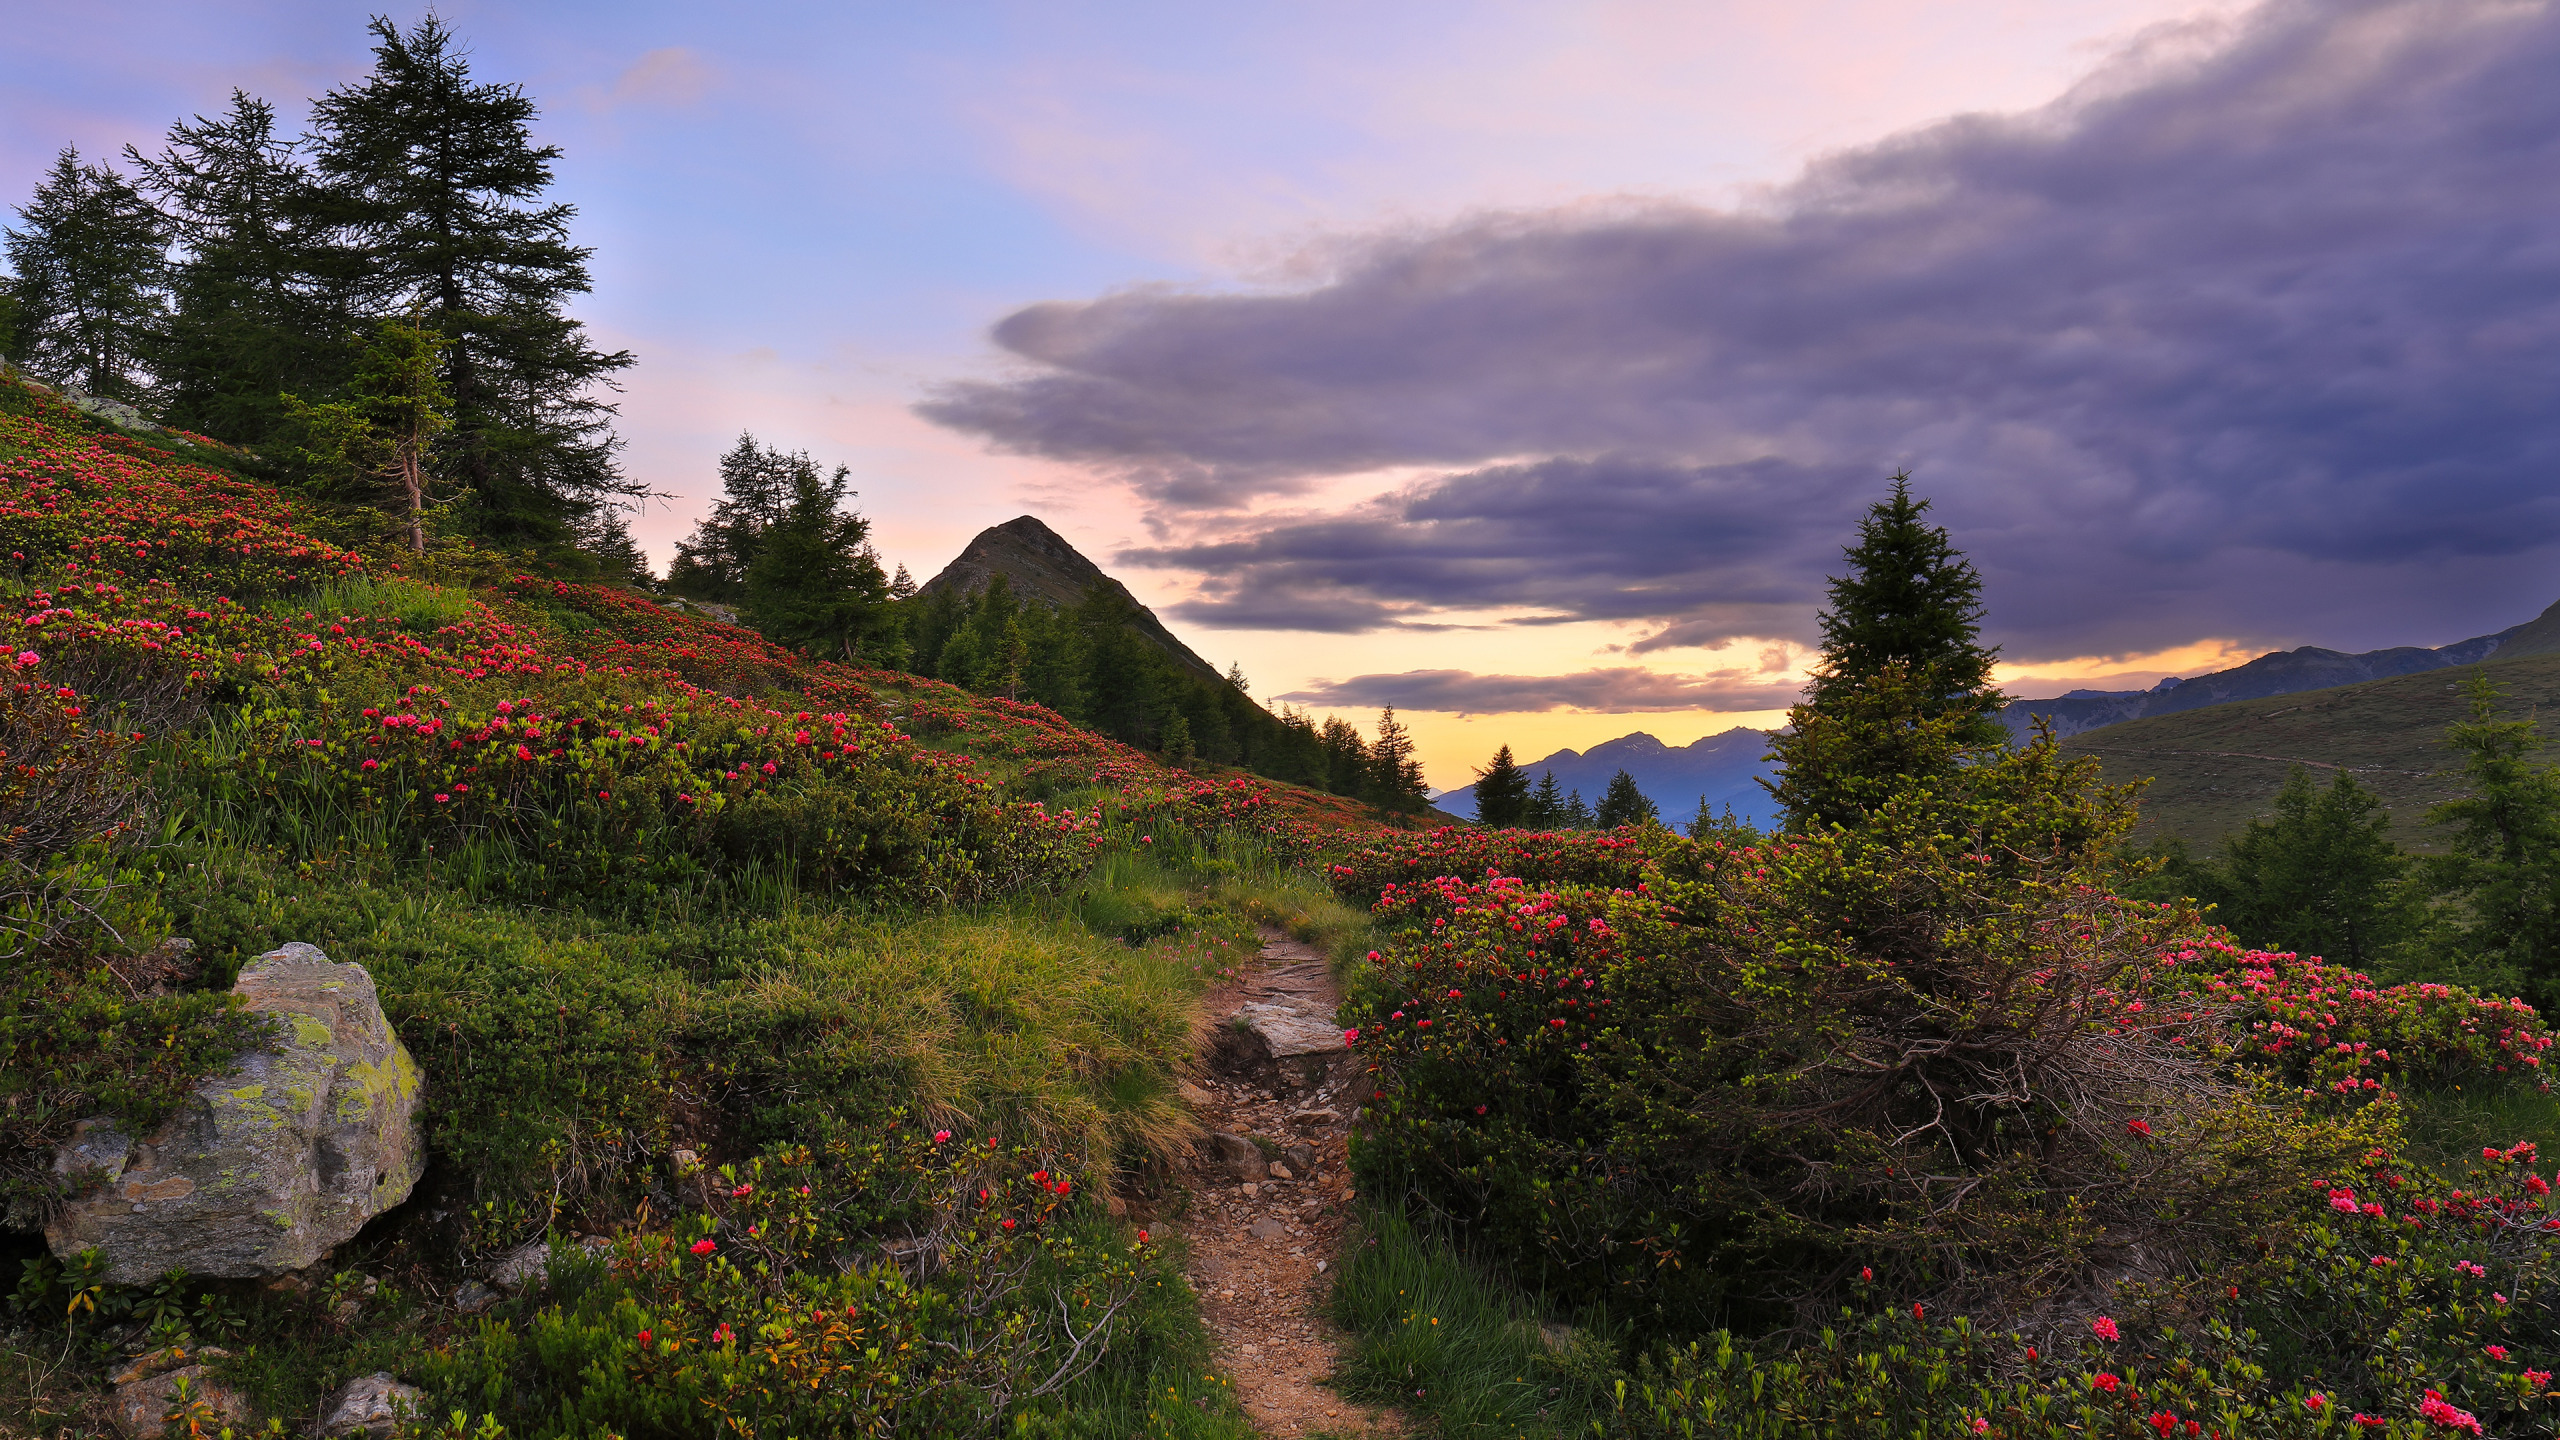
(1526, 366)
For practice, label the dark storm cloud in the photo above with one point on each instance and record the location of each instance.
(1736, 548)
(1614, 691)
(2262, 340)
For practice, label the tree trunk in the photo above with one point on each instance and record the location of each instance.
(413, 481)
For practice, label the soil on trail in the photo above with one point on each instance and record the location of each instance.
(1262, 1248)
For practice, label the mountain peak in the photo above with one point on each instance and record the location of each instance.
(1039, 564)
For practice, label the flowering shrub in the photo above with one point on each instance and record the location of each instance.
(2399, 1304)
(906, 1285)
(1704, 1092)
(1607, 858)
(2333, 1030)
(105, 507)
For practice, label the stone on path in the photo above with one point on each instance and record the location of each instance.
(271, 1164)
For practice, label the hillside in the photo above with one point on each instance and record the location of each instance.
(2213, 769)
(636, 896)
(1039, 562)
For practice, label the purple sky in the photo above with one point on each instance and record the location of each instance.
(1524, 365)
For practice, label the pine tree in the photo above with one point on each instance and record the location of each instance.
(91, 263)
(260, 304)
(605, 535)
(1904, 688)
(1577, 814)
(436, 185)
(376, 439)
(1624, 804)
(1344, 757)
(1125, 674)
(1396, 781)
(2503, 859)
(757, 483)
(2322, 876)
(815, 584)
(1502, 792)
(1546, 804)
(1178, 747)
(1235, 677)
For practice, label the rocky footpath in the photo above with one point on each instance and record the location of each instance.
(1270, 1190)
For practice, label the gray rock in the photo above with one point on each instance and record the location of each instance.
(1267, 1228)
(1291, 1046)
(114, 412)
(1280, 1171)
(1315, 1119)
(374, 1405)
(473, 1297)
(1235, 1153)
(1300, 1157)
(270, 1164)
(524, 1265)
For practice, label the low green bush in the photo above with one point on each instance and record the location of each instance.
(1934, 1051)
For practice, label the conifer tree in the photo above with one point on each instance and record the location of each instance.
(375, 440)
(260, 304)
(1502, 792)
(1904, 688)
(1577, 813)
(2321, 876)
(2503, 855)
(1345, 757)
(91, 256)
(815, 584)
(1624, 804)
(1178, 747)
(1395, 773)
(1546, 804)
(436, 186)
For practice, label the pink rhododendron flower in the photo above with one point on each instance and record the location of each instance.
(2104, 1329)
(703, 1247)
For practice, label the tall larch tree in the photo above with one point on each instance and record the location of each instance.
(261, 300)
(437, 186)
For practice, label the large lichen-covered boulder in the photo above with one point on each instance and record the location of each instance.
(271, 1164)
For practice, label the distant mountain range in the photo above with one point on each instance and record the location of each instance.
(1039, 563)
(1723, 768)
(2280, 672)
(1726, 768)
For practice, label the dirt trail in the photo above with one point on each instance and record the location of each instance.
(1261, 1248)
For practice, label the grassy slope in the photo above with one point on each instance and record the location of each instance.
(727, 1016)
(2213, 770)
